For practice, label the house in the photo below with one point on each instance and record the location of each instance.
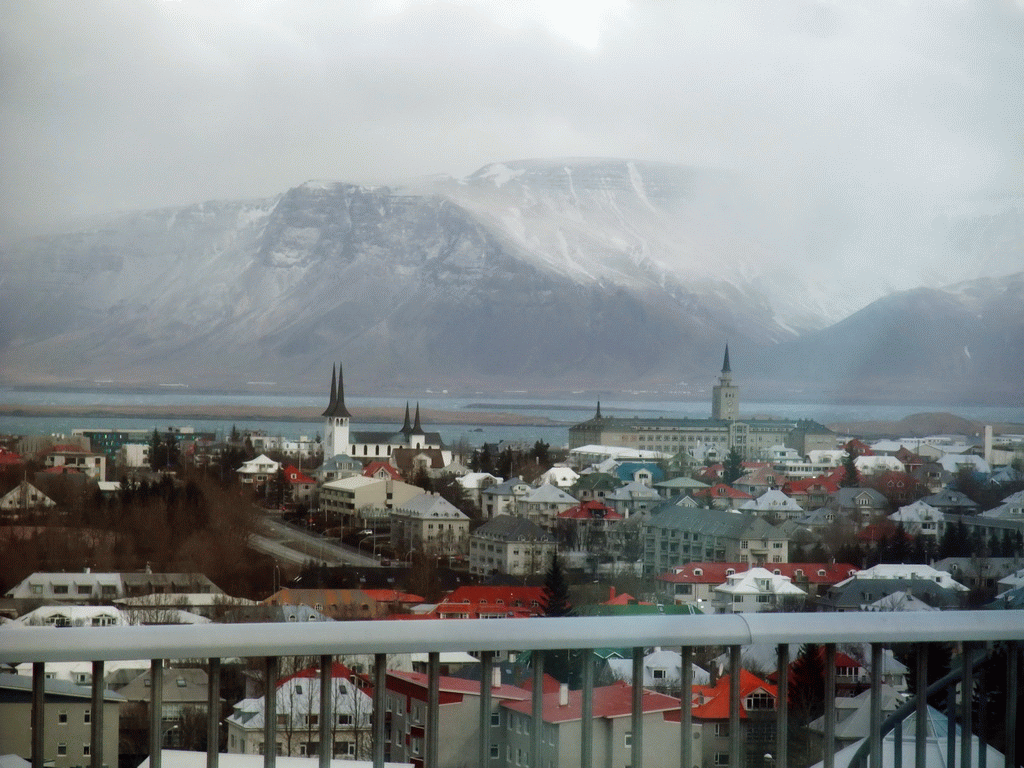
(899, 488)
(259, 471)
(662, 670)
(299, 487)
(722, 496)
(951, 502)
(70, 458)
(676, 533)
(918, 519)
(980, 572)
(760, 479)
(429, 523)
(337, 604)
(696, 582)
(381, 470)
(936, 588)
(860, 506)
(811, 492)
(297, 702)
(512, 545)
(491, 603)
(586, 526)
(500, 498)
(678, 485)
(474, 484)
(758, 702)
(562, 712)
(337, 467)
(361, 502)
(23, 496)
(774, 503)
(564, 477)
(67, 724)
(756, 590)
(634, 497)
(73, 616)
(185, 695)
(458, 725)
(543, 504)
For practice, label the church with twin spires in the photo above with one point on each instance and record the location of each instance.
(364, 445)
(700, 438)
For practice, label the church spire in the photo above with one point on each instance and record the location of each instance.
(337, 404)
(725, 363)
(598, 414)
(416, 428)
(406, 426)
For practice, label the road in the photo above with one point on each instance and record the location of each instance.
(288, 544)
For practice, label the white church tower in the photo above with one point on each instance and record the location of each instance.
(725, 396)
(336, 429)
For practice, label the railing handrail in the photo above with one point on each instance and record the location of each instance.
(45, 644)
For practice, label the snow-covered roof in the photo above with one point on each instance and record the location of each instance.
(908, 571)
(758, 581)
(772, 500)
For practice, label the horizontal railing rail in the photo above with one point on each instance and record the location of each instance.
(327, 640)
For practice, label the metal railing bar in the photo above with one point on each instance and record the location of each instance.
(686, 707)
(637, 738)
(829, 754)
(96, 717)
(270, 713)
(1010, 727)
(326, 751)
(486, 682)
(361, 637)
(587, 711)
(38, 713)
(380, 680)
(966, 708)
(213, 714)
(735, 742)
(156, 705)
(875, 737)
(921, 725)
(433, 730)
(897, 734)
(951, 725)
(537, 706)
(782, 713)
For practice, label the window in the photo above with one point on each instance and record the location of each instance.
(86, 750)
(62, 717)
(759, 700)
(658, 674)
(495, 719)
(37, 589)
(344, 749)
(60, 589)
(84, 589)
(87, 716)
(722, 730)
(62, 748)
(344, 719)
(627, 740)
(495, 752)
(181, 682)
(721, 758)
(764, 598)
(312, 721)
(298, 690)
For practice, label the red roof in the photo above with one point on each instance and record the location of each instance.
(61, 470)
(293, 475)
(338, 670)
(67, 449)
(716, 573)
(803, 485)
(721, 491)
(514, 602)
(393, 596)
(375, 467)
(712, 702)
(609, 701)
(460, 685)
(625, 599)
(590, 510)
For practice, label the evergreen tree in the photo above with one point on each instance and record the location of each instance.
(850, 479)
(541, 453)
(556, 590)
(733, 467)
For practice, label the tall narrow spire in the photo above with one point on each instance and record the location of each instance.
(598, 414)
(337, 405)
(416, 428)
(725, 363)
(334, 392)
(406, 427)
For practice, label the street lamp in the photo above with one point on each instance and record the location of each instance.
(163, 737)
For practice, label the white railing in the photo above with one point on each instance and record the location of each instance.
(381, 638)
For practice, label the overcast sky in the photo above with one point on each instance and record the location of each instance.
(127, 105)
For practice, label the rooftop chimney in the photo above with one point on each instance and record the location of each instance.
(496, 677)
(563, 695)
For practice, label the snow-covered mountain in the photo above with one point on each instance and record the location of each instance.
(576, 273)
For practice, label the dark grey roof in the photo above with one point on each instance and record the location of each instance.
(949, 499)
(512, 528)
(857, 592)
(711, 522)
(19, 688)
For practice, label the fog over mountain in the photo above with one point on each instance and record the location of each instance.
(559, 274)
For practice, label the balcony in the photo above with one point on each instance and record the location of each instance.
(975, 630)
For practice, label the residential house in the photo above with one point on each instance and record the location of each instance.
(474, 484)
(337, 467)
(458, 725)
(500, 498)
(22, 496)
(299, 487)
(918, 519)
(543, 504)
(429, 523)
(511, 545)
(722, 496)
(696, 582)
(594, 486)
(297, 702)
(561, 714)
(635, 497)
(662, 671)
(337, 604)
(756, 590)
(758, 703)
(759, 479)
(564, 477)
(185, 697)
(678, 485)
(775, 504)
(258, 472)
(936, 588)
(811, 492)
(491, 603)
(67, 721)
(860, 506)
(71, 458)
(586, 526)
(980, 572)
(952, 502)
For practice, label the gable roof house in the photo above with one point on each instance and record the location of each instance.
(936, 588)
(429, 523)
(500, 498)
(543, 504)
(758, 702)
(756, 590)
(23, 496)
(775, 503)
(860, 506)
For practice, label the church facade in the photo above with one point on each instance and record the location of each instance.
(725, 430)
(366, 445)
